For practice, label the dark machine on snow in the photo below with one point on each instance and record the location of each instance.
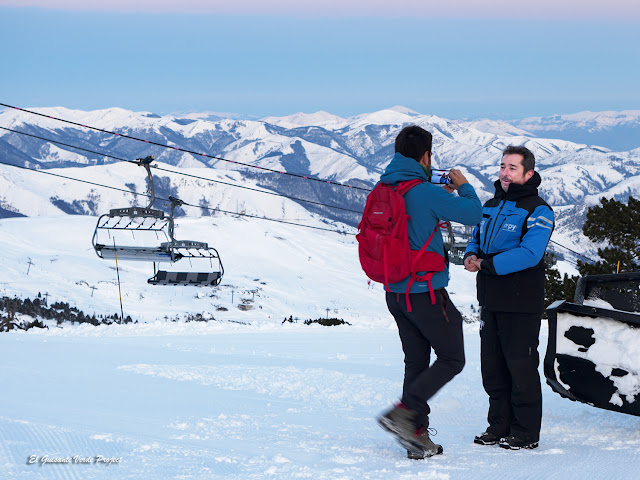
(148, 235)
(593, 354)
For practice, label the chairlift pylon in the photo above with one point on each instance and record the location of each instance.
(149, 220)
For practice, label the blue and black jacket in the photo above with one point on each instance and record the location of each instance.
(511, 239)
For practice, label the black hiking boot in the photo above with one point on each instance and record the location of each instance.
(421, 446)
(514, 443)
(398, 421)
(487, 438)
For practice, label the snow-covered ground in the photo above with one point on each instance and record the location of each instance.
(287, 402)
(245, 396)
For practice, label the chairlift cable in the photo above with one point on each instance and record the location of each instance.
(184, 203)
(222, 211)
(202, 178)
(74, 179)
(67, 145)
(257, 190)
(573, 251)
(150, 142)
(181, 173)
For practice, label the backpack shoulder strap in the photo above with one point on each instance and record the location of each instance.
(403, 187)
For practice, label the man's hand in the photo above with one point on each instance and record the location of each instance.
(457, 178)
(478, 263)
(470, 263)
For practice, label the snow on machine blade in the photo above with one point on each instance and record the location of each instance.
(593, 353)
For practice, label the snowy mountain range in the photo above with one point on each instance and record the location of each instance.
(618, 131)
(351, 150)
(615, 130)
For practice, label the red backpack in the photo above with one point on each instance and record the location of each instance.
(385, 253)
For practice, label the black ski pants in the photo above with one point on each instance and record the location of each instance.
(427, 326)
(509, 365)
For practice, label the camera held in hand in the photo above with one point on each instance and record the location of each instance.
(440, 177)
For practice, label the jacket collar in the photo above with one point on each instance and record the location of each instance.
(401, 169)
(517, 191)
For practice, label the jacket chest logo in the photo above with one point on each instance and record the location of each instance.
(509, 227)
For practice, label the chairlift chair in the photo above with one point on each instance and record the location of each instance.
(181, 249)
(145, 221)
(134, 220)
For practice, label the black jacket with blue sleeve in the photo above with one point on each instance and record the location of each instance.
(511, 239)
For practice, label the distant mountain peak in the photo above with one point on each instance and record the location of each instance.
(405, 110)
(601, 119)
(496, 127)
(211, 116)
(302, 119)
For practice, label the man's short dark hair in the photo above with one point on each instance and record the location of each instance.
(528, 159)
(413, 141)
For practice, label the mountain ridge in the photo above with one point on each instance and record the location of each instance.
(351, 151)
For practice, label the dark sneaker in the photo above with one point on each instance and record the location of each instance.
(514, 443)
(487, 438)
(398, 421)
(421, 446)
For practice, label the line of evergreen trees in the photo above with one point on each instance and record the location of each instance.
(38, 310)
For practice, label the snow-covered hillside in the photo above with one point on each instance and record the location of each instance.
(319, 144)
(497, 127)
(350, 150)
(32, 193)
(277, 270)
(300, 119)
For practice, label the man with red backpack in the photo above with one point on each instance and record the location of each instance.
(419, 303)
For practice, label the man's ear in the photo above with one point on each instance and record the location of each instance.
(426, 159)
(528, 175)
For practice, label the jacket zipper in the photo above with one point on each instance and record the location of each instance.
(486, 250)
(486, 229)
(491, 240)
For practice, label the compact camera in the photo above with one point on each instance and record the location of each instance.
(440, 177)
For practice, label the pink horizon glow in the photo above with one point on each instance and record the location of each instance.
(628, 10)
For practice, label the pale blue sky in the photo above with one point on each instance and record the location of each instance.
(494, 65)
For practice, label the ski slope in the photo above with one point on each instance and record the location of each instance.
(245, 396)
(287, 402)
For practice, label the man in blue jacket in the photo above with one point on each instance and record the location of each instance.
(507, 251)
(425, 325)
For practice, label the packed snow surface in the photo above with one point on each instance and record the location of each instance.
(287, 402)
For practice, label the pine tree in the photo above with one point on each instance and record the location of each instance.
(557, 287)
(553, 286)
(618, 225)
(8, 321)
